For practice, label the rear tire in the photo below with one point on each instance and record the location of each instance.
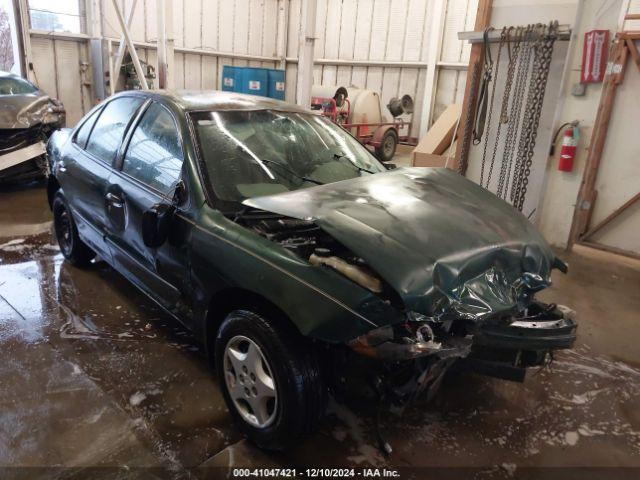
(290, 397)
(71, 246)
(388, 145)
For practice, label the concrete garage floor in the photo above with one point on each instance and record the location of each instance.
(93, 375)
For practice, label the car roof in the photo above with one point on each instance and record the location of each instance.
(194, 100)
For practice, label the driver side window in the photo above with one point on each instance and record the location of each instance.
(154, 155)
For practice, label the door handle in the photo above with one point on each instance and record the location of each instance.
(61, 167)
(114, 200)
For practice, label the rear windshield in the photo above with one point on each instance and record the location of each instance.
(15, 86)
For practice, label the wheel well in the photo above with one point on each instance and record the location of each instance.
(52, 187)
(230, 299)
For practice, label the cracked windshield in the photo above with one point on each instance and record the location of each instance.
(254, 153)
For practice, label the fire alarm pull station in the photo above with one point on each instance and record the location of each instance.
(594, 56)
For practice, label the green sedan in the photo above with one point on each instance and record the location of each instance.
(305, 266)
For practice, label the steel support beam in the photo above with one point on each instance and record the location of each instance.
(283, 32)
(132, 50)
(306, 43)
(435, 45)
(122, 48)
(21, 9)
(165, 44)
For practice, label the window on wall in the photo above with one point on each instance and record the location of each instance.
(59, 16)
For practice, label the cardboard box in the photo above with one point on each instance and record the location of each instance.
(432, 160)
(439, 137)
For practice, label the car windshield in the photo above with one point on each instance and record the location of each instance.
(15, 86)
(263, 152)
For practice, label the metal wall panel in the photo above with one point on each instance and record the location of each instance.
(361, 30)
(211, 21)
(194, 24)
(43, 68)
(178, 68)
(57, 68)
(178, 21)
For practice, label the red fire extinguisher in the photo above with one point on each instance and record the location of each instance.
(569, 146)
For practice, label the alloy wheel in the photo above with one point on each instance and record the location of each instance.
(250, 381)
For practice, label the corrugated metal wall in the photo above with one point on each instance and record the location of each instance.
(364, 31)
(61, 68)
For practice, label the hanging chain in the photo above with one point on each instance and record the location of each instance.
(468, 126)
(503, 39)
(483, 96)
(504, 116)
(542, 62)
(525, 127)
(516, 106)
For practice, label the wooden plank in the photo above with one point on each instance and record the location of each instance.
(610, 249)
(483, 20)
(633, 50)
(587, 193)
(612, 216)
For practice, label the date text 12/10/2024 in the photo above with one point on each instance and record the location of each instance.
(315, 473)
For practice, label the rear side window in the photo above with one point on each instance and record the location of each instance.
(154, 155)
(85, 129)
(107, 134)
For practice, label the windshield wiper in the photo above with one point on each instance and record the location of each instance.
(339, 156)
(292, 172)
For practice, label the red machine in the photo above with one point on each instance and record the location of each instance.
(382, 136)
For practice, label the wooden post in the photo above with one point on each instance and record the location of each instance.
(483, 20)
(587, 194)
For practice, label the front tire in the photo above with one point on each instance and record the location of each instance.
(71, 246)
(270, 379)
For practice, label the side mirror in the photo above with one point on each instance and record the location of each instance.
(155, 224)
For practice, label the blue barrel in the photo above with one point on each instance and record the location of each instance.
(266, 82)
(230, 78)
(276, 83)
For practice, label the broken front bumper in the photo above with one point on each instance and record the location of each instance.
(531, 333)
(542, 328)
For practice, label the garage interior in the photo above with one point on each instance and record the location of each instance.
(95, 378)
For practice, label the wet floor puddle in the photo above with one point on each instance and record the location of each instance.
(581, 410)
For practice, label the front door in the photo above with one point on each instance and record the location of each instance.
(87, 165)
(149, 170)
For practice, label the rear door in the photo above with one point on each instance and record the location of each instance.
(87, 164)
(150, 167)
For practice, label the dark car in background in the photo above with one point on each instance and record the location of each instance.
(28, 117)
(303, 264)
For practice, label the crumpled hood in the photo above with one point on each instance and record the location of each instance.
(24, 111)
(447, 246)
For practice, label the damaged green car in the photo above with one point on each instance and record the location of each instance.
(297, 258)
